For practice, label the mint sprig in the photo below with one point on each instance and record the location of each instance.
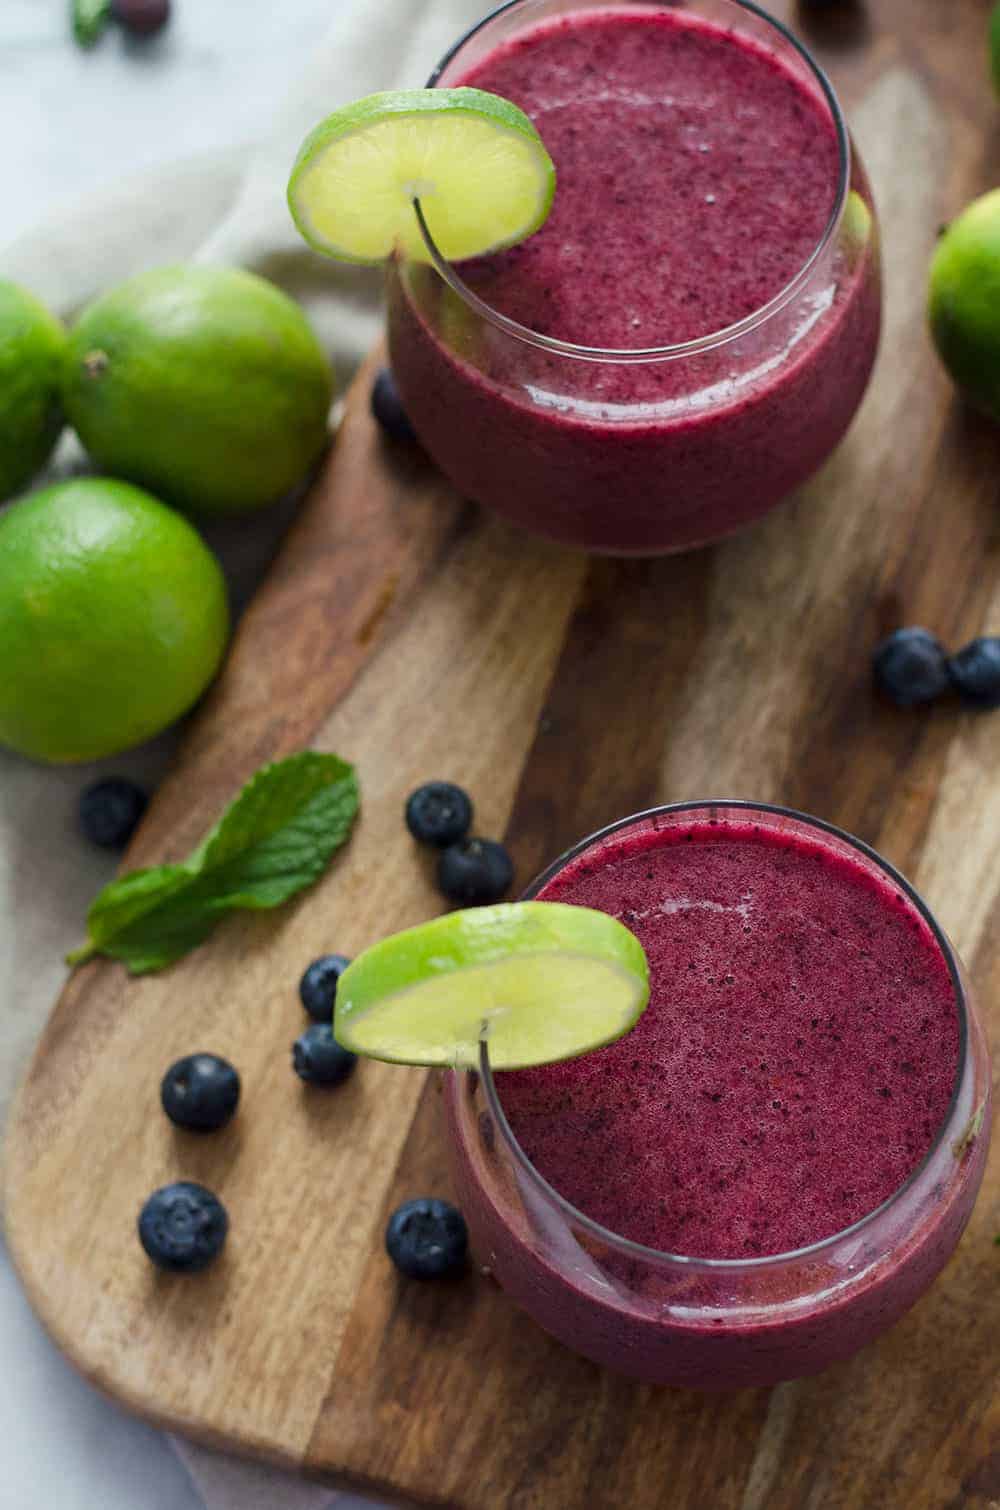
(89, 18)
(275, 838)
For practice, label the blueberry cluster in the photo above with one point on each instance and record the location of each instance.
(911, 666)
(183, 1226)
(317, 1057)
(470, 871)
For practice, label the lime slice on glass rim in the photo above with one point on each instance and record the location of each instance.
(539, 981)
(473, 160)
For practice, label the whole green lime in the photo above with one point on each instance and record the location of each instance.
(964, 305)
(113, 619)
(32, 346)
(206, 385)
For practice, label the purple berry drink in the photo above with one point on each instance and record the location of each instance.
(776, 1162)
(690, 333)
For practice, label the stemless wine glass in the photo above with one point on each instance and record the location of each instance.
(643, 451)
(720, 1323)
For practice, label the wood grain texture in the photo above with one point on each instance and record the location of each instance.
(418, 638)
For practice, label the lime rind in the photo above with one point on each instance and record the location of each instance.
(541, 981)
(474, 160)
(964, 302)
(857, 221)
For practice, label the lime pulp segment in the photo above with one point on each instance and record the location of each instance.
(540, 981)
(474, 160)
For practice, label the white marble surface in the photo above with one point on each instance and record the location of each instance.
(74, 121)
(64, 1445)
(73, 124)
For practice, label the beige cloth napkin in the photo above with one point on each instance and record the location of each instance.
(225, 207)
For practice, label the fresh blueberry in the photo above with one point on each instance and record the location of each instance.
(200, 1092)
(183, 1227)
(318, 986)
(387, 407)
(911, 666)
(318, 1058)
(975, 671)
(141, 17)
(475, 871)
(427, 1238)
(110, 811)
(438, 813)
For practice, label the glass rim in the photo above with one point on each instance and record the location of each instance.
(689, 1261)
(713, 339)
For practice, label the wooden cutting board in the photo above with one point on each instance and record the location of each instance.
(420, 638)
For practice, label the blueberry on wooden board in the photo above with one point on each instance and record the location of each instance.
(911, 666)
(183, 1227)
(475, 872)
(387, 407)
(319, 1059)
(318, 986)
(975, 671)
(200, 1092)
(427, 1238)
(438, 813)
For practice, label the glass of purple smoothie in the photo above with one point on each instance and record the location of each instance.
(779, 1158)
(690, 333)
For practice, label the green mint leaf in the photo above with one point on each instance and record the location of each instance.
(279, 833)
(125, 903)
(275, 838)
(89, 18)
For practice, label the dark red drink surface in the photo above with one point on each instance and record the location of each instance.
(696, 174)
(795, 1062)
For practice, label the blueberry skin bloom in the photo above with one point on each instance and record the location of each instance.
(475, 872)
(975, 671)
(439, 813)
(200, 1092)
(183, 1227)
(317, 1057)
(387, 408)
(110, 811)
(911, 667)
(318, 986)
(427, 1238)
